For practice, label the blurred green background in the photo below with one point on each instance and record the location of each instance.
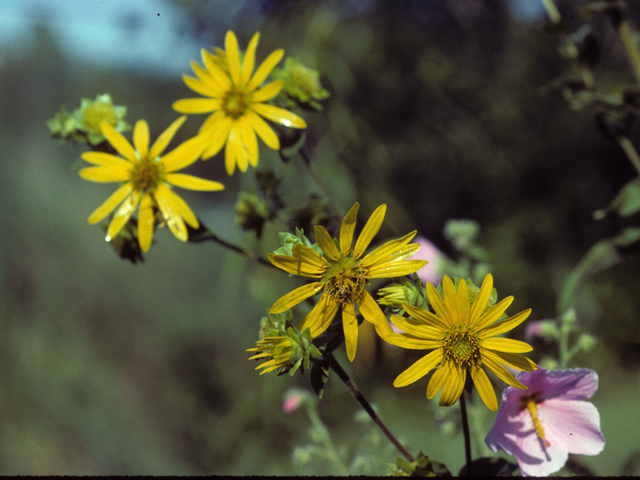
(436, 110)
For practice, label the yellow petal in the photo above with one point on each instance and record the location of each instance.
(395, 269)
(193, 183)
(506, 345)
(295, 297)
(304, 261)
(371, 312)
(419, 369)
(249, 141)
(231, 150)
(264, 131)
(279, 115)
(181, 208)
(484, 387)
(438, 305)
(513, 360)
(249, 59)
(491, 361)
(213, 73)
(145, 223)
(233, 56)
(216, 129)
(369, 231)
(165, 137)
(325, 242)
(417, 328)
(453, 385)
(264, 69)
(450, 299)
(267, 92)
(347, 228)
(320, 317)
(481, 300)
(350, 327)
(118, 142)
(392, 250)
(184, 154)
(493, 314)
(105, 160)
(197, 105)
(141, 138)
(505, 325)
(174, 221)
(107, 174)
(438, 380)
(412, 343)
(202, 87)
(122, 215)
(431, 320)
(110, 203)
(462, 304)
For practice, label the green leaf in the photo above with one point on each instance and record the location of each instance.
(625, 204)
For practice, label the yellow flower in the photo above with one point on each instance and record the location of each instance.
(237, 103)
(342, 275)
(464, 337)
(147, 178)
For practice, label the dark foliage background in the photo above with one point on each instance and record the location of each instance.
(436, 110)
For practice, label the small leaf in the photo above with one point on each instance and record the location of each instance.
(626, 202)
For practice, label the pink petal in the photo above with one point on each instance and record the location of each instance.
(572, 384)
(517, 436)
(572, 425)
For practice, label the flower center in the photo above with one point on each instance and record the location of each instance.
(344, 280)
(461, 344)
(235, 102)
(100, 112)
(532, 406)
(147, 174)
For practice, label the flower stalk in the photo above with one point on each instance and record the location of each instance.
(364, 403)
(321, 183)
(467, 436)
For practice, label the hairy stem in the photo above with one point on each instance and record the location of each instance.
(360, 398)
(203, 234)
(465, 431)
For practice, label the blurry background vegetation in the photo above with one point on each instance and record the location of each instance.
(436, 109)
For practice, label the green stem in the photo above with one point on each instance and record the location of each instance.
(323, 186)
(563, 344)
(631, 152)
(467, 436)
(626, 36)
(364, 403)
(325, 439)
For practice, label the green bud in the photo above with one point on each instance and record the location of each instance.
(586, 342)
(301, 84)
(461, 233)
(403, 291)
(549, 363)
(289, 240)
(93, 112)
(252, 212)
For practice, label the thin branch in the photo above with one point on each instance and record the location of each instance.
(360, 398)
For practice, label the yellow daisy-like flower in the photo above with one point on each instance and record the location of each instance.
(147, 178)
(237, 103)
(464, 337)
(342, 274)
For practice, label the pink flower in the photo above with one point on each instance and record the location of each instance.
(542, 425)
(293, 398)
(431, 272)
